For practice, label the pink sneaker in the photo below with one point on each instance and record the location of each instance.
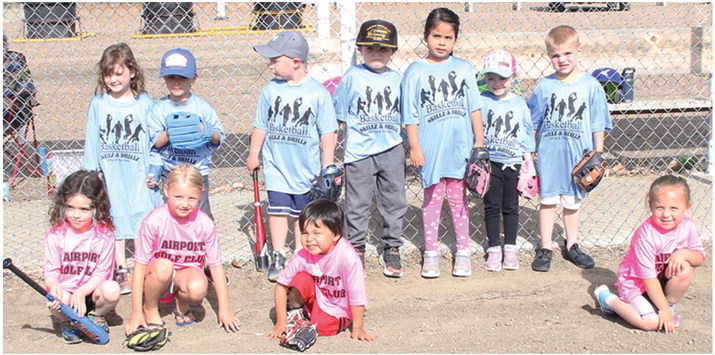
(493, 259)
(511, 258)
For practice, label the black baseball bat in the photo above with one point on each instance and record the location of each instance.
(89, 328)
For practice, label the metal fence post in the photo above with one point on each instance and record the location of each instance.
(347, 34)
(696, 50)
(323, 10)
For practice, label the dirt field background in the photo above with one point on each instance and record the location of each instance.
(505, 312)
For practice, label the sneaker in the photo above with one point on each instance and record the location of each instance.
(602, 292)
(462, 263)
(511, 258)
(207, 272)
(393, 267)
(542, 262)
(295, 314)
(277, 264)
(576, 256)
(430, 264)
(100, 321)
(70, 333)
(494, 259)
(121, 275)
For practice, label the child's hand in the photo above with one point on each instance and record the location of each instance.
(417, 157)
(150, 182)
(77, 301)
(676, 264)
(361, 334)
(133, 323)
(252, 163)
(277, 331)
(665, 321)
(229, 322)
(56, 292)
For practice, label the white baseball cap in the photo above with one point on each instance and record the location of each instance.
(500, 62)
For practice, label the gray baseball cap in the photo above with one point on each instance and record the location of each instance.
(288, 43)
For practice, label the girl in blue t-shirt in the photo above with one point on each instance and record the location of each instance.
(117, 144)
(441, 111)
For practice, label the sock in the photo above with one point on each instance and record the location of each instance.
(610, 299)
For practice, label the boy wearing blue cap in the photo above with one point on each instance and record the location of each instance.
(178, 69)
(295, 130)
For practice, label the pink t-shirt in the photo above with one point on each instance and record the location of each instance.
(74, 258)
(186, 244)
(649, 254)
(339, 278)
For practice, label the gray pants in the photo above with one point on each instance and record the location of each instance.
(385, 174)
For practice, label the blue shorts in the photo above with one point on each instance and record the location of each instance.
(283, 204)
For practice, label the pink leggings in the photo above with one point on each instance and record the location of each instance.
(432, 208)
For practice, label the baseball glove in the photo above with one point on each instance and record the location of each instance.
(479, 171)
(528, 183)
(589, 171)
(328, 184)
(145, 339)
(184, 130)
(300, 335)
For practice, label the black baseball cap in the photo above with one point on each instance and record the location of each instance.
(377, 33)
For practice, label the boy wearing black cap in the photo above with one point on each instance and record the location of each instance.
(367, 101)
(294, 120)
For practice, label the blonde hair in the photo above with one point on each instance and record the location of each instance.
(187, 174)
(561, 35)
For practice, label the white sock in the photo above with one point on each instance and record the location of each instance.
(610, 299)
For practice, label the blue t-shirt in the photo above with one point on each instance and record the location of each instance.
(294, 117)
(508, 131)
(369, 104)
(440, 98)
(566, 114)
(117, 143)
(199, 158)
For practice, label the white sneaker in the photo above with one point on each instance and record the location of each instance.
(511, 257)
(462, 263)
(493, 259)
(430, 264)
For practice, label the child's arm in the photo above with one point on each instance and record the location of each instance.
(226, 319)
(358, 331)
(478, 128)
(598, 138)
(281, 297)
(52, 285)
(417, 156)
(162, 140)
(137, 317)
(665, 316)
(257, 137)
(328, 142)
(679, 258)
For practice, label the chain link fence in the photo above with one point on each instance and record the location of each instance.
(666, 128)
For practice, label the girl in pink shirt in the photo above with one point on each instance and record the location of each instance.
(79, 253)
(325, 279)
(658, 268)
(173, 242)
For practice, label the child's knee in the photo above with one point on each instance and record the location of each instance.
(196, 288)
(162, 269)
(686, 274)
(109, 291)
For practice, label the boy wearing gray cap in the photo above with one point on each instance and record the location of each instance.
(294, 120)
(367, 101)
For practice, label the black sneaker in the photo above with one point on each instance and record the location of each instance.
(207, 272)
(579, 258)
(277, 264)
(542, 262)
(393, 267)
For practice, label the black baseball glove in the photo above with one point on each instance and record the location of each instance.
(479, 171)
(329, 184)
(145, 339)
(589, 171)
(300, 335)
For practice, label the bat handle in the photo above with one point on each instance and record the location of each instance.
(255, 174)
(7, 264)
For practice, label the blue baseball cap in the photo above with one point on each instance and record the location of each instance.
(178, 62)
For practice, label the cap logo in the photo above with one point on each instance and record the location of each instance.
(176, 60)
(378, 33)
(275, 38)
(505, 64)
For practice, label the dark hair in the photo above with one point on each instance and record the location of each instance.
(322, 211)
(119, 53)
(88, 184)
(441, 14)
(668, 180)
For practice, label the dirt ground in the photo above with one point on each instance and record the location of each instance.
(506, 312)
